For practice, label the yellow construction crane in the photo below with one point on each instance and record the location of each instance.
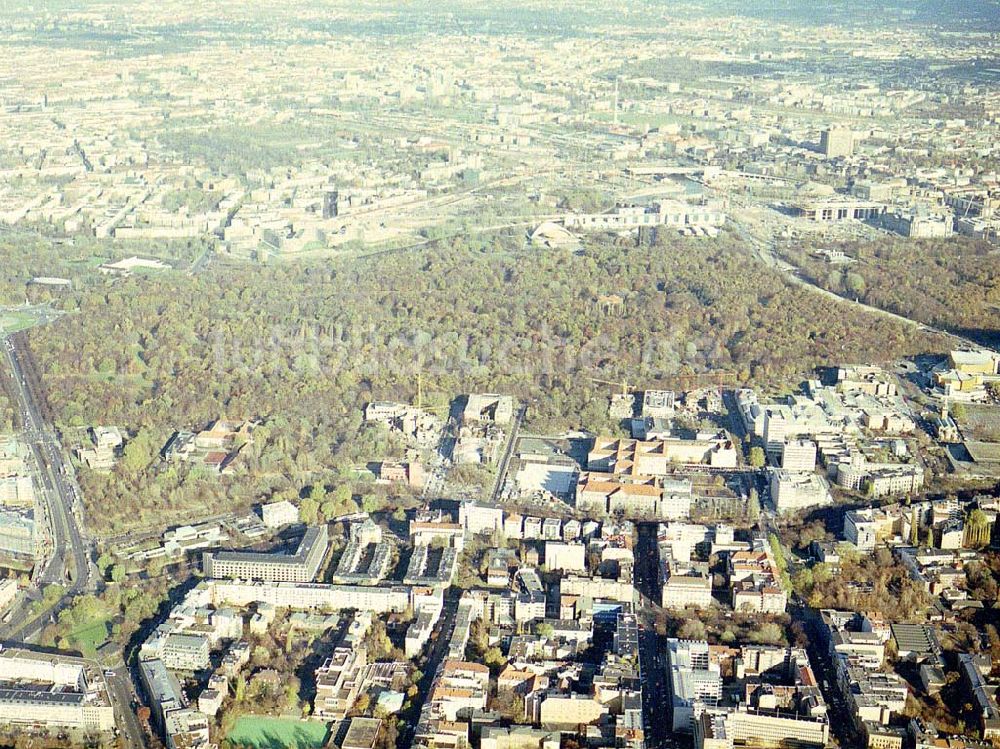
(683, 382)
(420, 390)
(625, 385)
(420, 397)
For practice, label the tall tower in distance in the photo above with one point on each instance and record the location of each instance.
(330, 198)
(836, 141)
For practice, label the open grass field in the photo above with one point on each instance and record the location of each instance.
(12, 322)
(89, 263)
(277, 733)
(89, 637)
(981, 422)
(18, 565)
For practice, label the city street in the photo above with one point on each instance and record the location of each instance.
(70, 561)
(652, 647)
(841, 721)
(435, 657)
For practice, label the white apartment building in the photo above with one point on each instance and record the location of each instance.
(673, 505)
(300, 566)
(681, 538)
(860, 529)
(902, 479)
(187, 728)
(460, 686)
(418, 634)
(39, 707)
(792, 490)
(480, 519)
(783, 423)
(55, 691)
(681, 591)
(568, 557)
(798, 455)
(552, 529)
(338, 683)
(669, 213)
(519, 737)
(761, 597)
(738, 728)
(303, 596)
(695, 681)
(570, 711)
(163, 690)
(277, 514)
(185, 652)
(879, 479)
(425, 533)
(598, 587)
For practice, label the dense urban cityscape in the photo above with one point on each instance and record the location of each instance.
(538, 375)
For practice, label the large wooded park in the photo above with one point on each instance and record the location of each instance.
(302, 346)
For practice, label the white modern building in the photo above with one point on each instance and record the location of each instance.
(300, 566)
(52, 690)
(695, 681)
(860, 529)
(798, 455)
(304, 596)
(278, 514)
(681, 591)
(792, 490)
(568, 557)
(185, 652)
(480, 519)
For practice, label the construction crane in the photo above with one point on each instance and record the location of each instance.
(420, 397)
(420, 390)
(683, 382)
(625, 385)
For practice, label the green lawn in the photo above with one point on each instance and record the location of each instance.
(277, 733)
(88, 637)
(90, 263)
(12, 322)
(15, 564)
(653, 119)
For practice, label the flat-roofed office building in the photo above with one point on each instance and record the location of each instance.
(300, 566)
(53, 691)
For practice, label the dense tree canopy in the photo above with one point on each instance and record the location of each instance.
(950, 283)
(303, 346)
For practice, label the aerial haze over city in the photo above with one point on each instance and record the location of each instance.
(479, 375)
